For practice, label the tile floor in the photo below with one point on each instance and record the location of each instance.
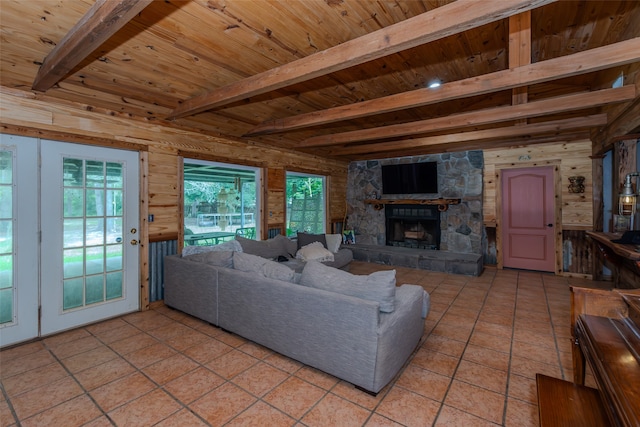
(485, 339)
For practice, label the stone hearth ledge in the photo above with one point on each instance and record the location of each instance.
(424, 259)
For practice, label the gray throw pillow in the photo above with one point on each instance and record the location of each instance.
(306, 238)
(379, 286)
(269, 249)
(264, 267)
(290, 247)
(231, 245)
(216, 258)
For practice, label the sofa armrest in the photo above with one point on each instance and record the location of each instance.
(191, 287)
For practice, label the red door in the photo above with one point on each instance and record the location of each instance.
(528, 213)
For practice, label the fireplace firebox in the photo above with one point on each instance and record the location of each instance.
(413, 226)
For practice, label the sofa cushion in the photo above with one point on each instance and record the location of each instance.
(270, 249)
(290, 247)
(333, 242)
(231, 245)
(216, 258)
(379, 286)
(314, 251)
(306, 238)
(267, 268)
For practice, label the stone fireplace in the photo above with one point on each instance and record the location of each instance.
(413, 226)
(459, 229)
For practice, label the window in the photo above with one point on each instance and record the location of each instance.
(305, 203)
(220, 201)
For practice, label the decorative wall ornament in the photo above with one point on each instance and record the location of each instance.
(576, 184)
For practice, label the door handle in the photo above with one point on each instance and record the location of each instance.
(134, 242)
(549, 225)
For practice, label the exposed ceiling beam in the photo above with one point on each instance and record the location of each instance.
(556, 126)
(561, 104)
(101, 21)
(477, 145)
(441, 22)
(520, 50)
(600, 58)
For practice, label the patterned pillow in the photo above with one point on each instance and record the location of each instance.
(379, 286)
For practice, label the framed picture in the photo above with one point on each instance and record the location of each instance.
(348, 237)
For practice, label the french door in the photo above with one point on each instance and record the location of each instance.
(85, 250)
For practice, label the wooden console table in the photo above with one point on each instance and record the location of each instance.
(443, 204)
(622, 260)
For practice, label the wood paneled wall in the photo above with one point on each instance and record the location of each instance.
(34, 117)
(572, 158)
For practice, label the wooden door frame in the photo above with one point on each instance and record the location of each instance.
(557, 178)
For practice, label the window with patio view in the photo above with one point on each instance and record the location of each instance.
(220, 202)
(305, 203)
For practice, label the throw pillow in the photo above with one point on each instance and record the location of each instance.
(333, 242)
(269, 249)
(379, 286)
(290, 247)
(264, 267)
(306, 238)
(216, 258)
(231, 245)
(314, 251)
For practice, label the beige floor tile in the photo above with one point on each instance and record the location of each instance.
(316, 377)
(493, 342)
(530, 350)
(295, 397)
(75, 347)
(408, 408)
(260, 379)
(75, 412)
(20, 351)
(349, 392)
(26, 363)
(110, 335)
(482, 376)
(477, 401)
(147, 320)
(521, 414)
(528, 368)
(149, 355)
(98, 329)
(168, 369)
(333, 411)
(66, 337)
(33, 378)
(523, 388)
(208, 350)
(283, 363)
(186, 340)
(182, 418)
(6, 417)
(436, 362)
(94, 357)
(487, 357)
(146, 410)
(378, 420)
(444, 345)
(424, 382)
(260, 414)
(44, 397)
(133, 343)
(232, 363)
(222, 404)
(121, 391)
(193, 385)
(100, 375)
(452, 417)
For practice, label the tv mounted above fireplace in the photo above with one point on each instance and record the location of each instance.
(410, 178)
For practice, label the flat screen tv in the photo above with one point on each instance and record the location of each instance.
(410, 178)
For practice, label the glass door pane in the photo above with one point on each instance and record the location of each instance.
(92, 224)
(6, 237)
(305, 203)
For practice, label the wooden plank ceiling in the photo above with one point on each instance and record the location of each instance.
(338, 78)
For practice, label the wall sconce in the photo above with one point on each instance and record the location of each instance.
(628, 199)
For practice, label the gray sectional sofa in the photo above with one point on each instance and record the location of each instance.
(361, 329)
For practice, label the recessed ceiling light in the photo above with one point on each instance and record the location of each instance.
(434, 84)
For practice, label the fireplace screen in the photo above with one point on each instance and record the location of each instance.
(413, 226)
